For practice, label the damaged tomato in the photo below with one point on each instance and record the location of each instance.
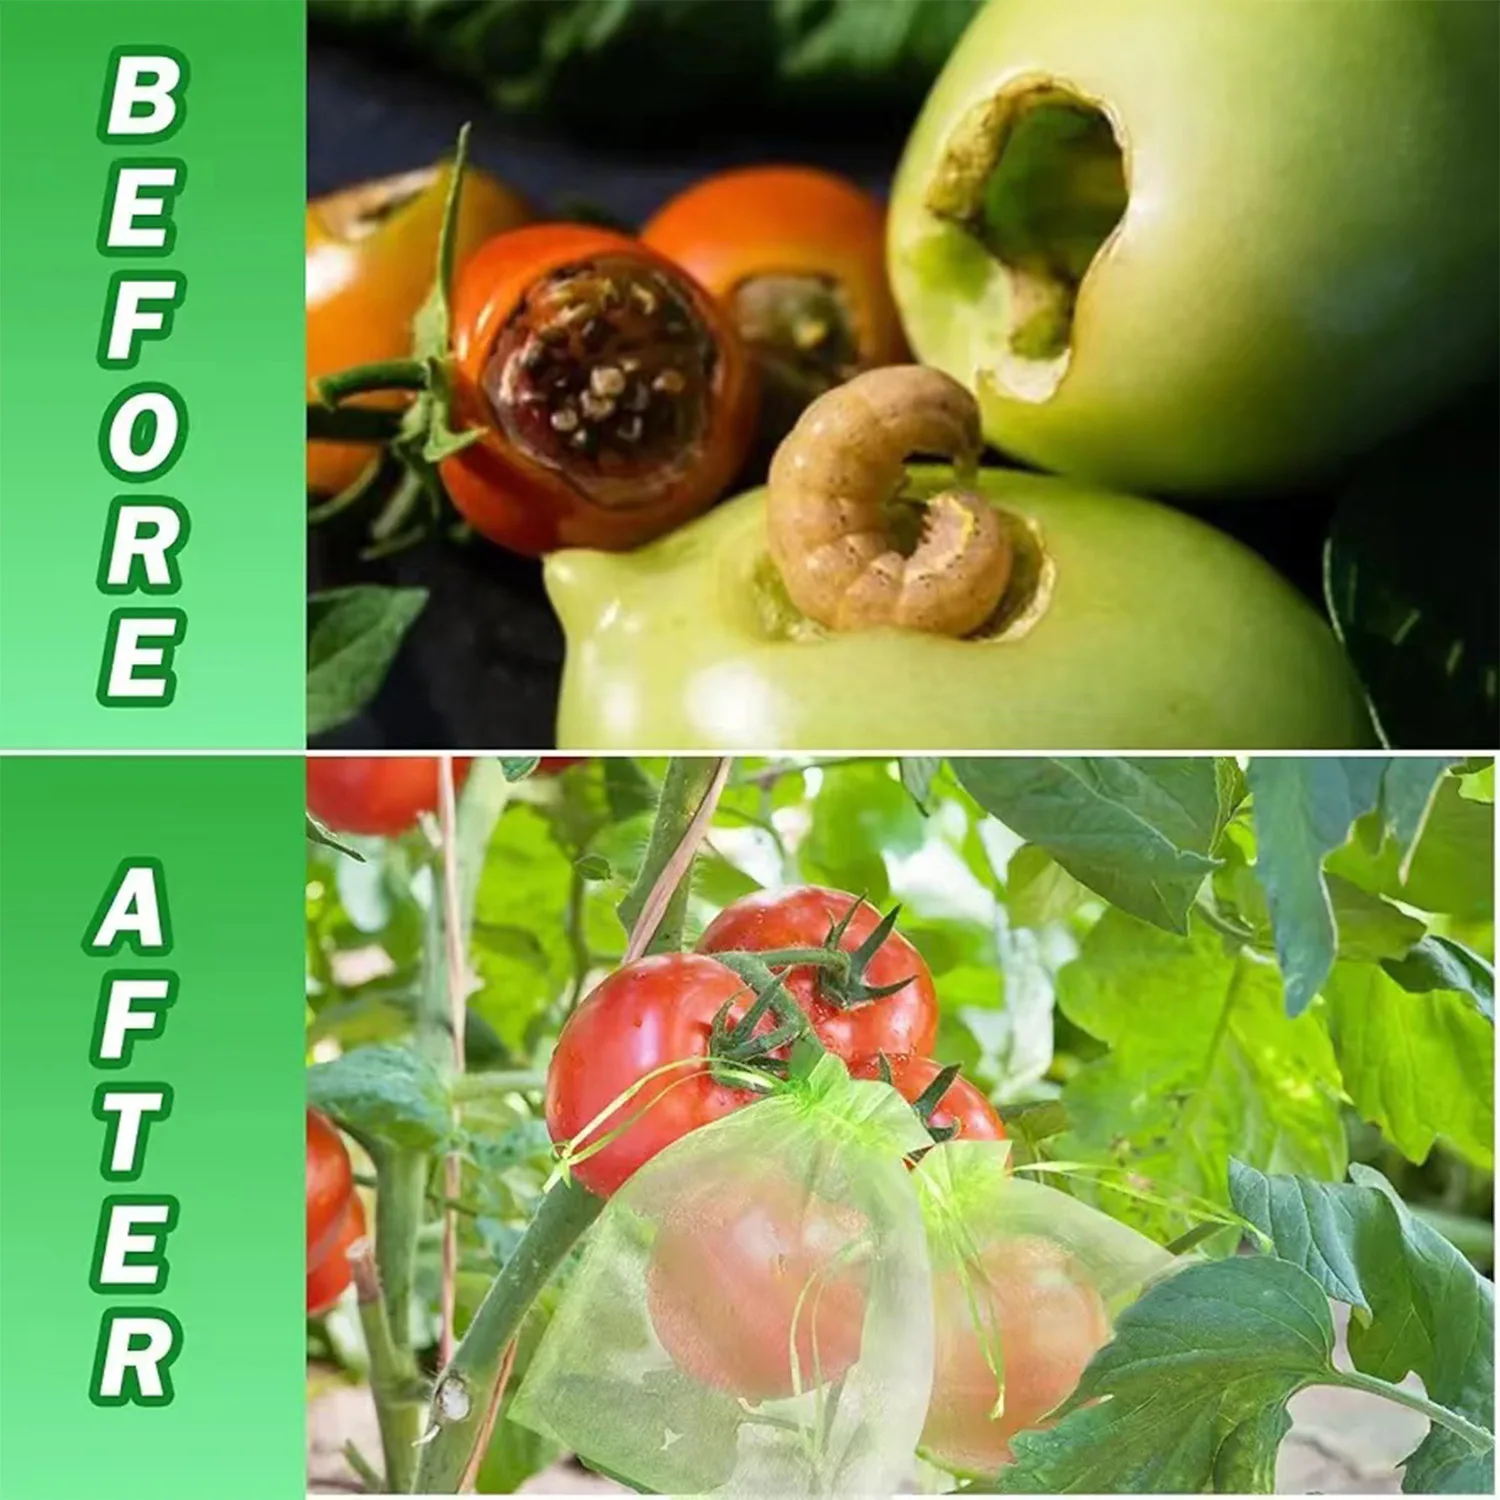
(370, 253)
(614, 396)
(797, 258)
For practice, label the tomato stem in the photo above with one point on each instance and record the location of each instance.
(468, 1382)
(688, 782)
(380, 375)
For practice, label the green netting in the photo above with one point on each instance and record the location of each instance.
(1026, 1285)
(752, 1314)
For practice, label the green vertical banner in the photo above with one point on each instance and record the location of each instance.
(151, 1136)
(152, 538)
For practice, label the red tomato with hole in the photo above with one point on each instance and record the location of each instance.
(903, 1022)
(746, 1269)
(962, 1105)
(330, 1185)
(646, 1015)
(1048, 1321)
(327, 1279)
(614, 397)
(376, 794)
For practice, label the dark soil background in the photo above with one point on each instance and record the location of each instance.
(480, 667)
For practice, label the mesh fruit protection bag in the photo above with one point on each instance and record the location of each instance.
(1026, 1285)
(752, 1314)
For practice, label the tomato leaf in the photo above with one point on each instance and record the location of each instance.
(353, 636)
(917, 775)
(1140, 833)
(1191, 1395)
(1204, 1064)
(593, 867)
(382, 1094)
(1440, 963)
(518, 768)
(1038, 890)
(1421, 1066)
(1304, 808)
(1420, 1305)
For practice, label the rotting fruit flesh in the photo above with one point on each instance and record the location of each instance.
(613, 395)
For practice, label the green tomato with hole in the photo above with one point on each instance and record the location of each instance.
(1206, 246)
(1128, 625)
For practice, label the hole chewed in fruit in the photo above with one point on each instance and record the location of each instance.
(605, 372)
(1036, 175)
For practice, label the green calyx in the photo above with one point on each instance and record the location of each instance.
(422, 435)
(928, 1100)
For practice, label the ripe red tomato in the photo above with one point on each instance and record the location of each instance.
(905, 1021)
(962, 1105)
(651, 1012)
(330, 1184)
(616, 399)
(552, 765)
(327, 1278)
(383, 794)
(1049, 1322)
(744, 1264)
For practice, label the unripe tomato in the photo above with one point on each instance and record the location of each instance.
(330, 1185)
(745, 1269)
(376, 794)
(1155, 279)
(327, 1278)
(371, 261)
(1049, 1322)
(962, 1105)
(651, 1013)
(796, 256)
(905, 1021)
(1137, 642)
(615, 397)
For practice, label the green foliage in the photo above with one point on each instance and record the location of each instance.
(1114, 944)
(1203, 1064)
(1139, 832)
(1305, 807)
(353, 635)
(382, 1094)
(582, 60)
(1192, 1393)
(1419, 1305)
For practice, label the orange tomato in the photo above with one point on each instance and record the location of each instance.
(371, 261)
(798, 257)
(615, 397)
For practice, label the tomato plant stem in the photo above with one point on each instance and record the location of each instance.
(466, 1387)
(382, 375)
(1476, 1436)
(685, 791)
(393, 1383)
(399, 1200)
